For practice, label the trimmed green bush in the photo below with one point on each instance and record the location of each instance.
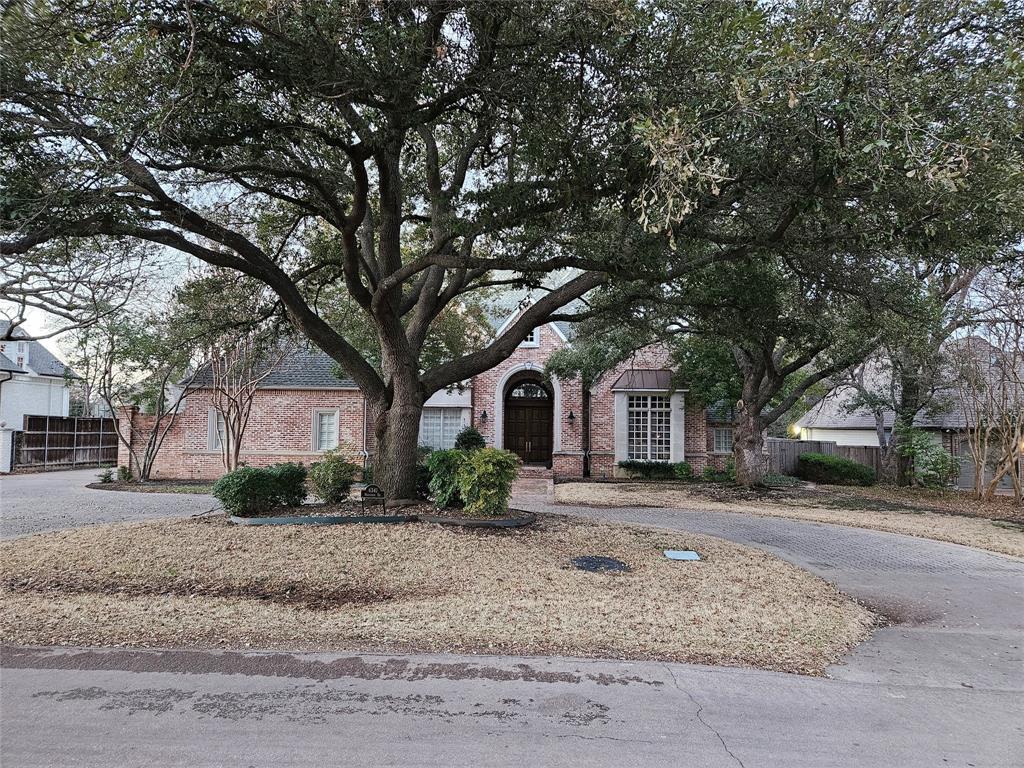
(107, 475)
(833, 470)
(332, 477)
(485, 480)
(682, 470)
(775, 480)
(714, 475)
(443, 484)
(124, 474)
(649, 470)
(469, 439)
(247, 491)
(291, 482)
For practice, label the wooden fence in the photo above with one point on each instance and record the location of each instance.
(783, 454)
(65, 442)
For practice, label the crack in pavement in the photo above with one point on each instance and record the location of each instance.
(700, 716)
(598, 738)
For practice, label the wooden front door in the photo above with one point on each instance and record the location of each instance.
(528, 429)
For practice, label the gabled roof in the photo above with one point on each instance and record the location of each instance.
(722, 411)
(40, 359)
(510, 309)
(9, 367)
(833, 412)
(301, 367)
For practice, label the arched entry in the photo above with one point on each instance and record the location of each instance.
(529, 418)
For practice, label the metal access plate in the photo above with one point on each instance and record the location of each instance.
(681, 554)
(599, 564)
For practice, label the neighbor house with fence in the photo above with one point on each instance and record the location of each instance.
(36, 431)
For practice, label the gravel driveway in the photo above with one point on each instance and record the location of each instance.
(53, 501)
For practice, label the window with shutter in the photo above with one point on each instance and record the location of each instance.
(326, 430)
(215, 430)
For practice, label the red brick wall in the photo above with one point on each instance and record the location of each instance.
(280, 428)
(281, 424)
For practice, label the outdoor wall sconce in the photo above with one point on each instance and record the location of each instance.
(483, 415)
(572, 417)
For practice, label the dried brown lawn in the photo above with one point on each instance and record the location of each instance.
(422, 588)
(844, 507)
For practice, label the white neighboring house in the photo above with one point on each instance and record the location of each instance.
(33, 382)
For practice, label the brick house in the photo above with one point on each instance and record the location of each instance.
(558, 428)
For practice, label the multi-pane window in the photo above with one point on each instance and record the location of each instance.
(723, 440)
(650, 428)
(532, 340)
(325, 430)
(439, 427)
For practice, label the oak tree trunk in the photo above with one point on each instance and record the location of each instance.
(396, 430)
(748, 449)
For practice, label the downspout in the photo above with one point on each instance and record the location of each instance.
(366, 453)
(586, 431)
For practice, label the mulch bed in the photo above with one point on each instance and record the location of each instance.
(405, 512)
(156, 486)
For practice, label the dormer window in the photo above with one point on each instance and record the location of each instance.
(532, 339)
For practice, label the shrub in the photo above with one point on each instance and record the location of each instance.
(649, 470)
(469, 439)
(291, 483)
(443, 484)
(332, 477)
(485, 480)
(834, 470)
(247, 491)
(715, 475)
(107, 475)
(773, 479)
(682, 470)
(124, 474)
(931, 465)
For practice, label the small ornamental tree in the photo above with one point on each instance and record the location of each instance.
(136, 362)
(237, 367)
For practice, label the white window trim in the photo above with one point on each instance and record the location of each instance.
(315, 429)
(533, 343)
(677, 428)
(714, 441)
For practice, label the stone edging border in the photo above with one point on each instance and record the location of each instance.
(500, 522)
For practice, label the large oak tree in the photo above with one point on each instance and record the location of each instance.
(410, 154)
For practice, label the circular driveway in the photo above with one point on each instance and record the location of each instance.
(53, 501)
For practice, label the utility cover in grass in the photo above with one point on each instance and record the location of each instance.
(599, 564)
(681, 554)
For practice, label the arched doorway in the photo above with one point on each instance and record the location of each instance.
(528, 429)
